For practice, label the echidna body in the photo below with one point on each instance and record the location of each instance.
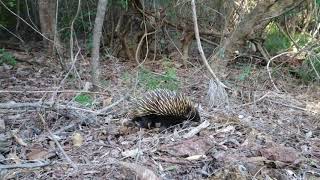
(163, 107)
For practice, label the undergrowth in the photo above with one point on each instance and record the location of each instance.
(168, 80)
(84, 99)
(7, 58)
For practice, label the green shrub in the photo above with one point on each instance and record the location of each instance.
(276, 41)
(246, 72)
(84, 99)
(310, 69)
(302, 39)
(6, 17)
(7, 58)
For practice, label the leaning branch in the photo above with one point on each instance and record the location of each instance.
(203, 57)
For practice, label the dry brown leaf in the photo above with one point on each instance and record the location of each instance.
(190, 147)
(77, 139)
(142, 172)
(231, 172)
(37, 154)
(280, 153)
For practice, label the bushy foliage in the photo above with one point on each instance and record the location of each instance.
(6, 18)
(84, 99)
(7, 58)
(310, 69)
(276, 41)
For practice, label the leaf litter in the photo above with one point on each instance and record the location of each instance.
(274, 138)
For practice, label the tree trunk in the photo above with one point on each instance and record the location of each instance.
(97, 31)
(47, 16)
(256, 21)
(250, 27)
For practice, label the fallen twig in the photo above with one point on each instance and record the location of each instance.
(197, 129)
(26, 165)
(57, 143)
(288, 105)
(12, 105)
(268, 68)
(110, 106)
(52, 91)
(258, 100)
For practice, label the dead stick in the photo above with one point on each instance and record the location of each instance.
(26, 165)
(203, 57)
(57, 143)
(12, 105)
(51, 91)
(111, 106)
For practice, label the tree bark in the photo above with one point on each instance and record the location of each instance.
(97, 31)
(250, 27)
(47, 16)
(256, 21)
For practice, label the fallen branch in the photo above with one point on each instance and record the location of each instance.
(46, 105)
(101, 111)
(57, 143)
(52, 91)
(197, 129)
(26, 165)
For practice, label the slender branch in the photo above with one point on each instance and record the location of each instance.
(52, 91)
(72, 30)
(57, 143)
(11, 33)
(26, 22)
(111, 106)
(13, 105)
(145, 35)
(26, 165)
(269, 71)
(203, 57)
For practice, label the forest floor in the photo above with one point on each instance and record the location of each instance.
(259, 134)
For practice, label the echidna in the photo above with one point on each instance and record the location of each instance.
(163, 107)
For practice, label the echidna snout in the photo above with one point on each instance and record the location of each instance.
(163, 108)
